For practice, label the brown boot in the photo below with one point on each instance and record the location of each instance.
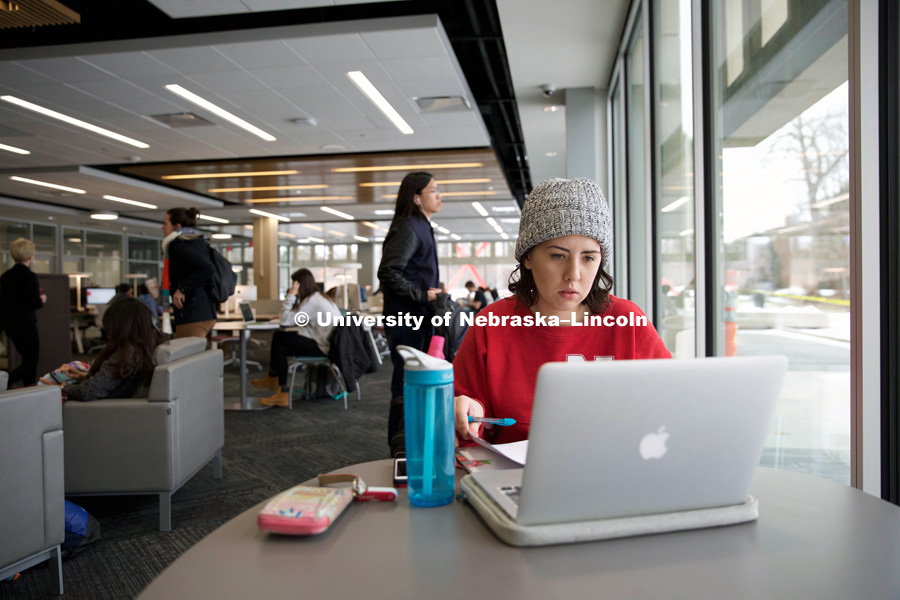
(266, 383)
(279, 399)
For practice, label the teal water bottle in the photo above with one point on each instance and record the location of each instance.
(428, 421)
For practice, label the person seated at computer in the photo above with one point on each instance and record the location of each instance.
(565, 239)
(123, 290)
(147, 300)
(304, 298)
(125, 363)
(476, 299)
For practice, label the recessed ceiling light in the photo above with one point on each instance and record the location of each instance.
(504, 209)
(477, 206)
(550, 154)
(384, 211)
(491, 222)
(437, 181)
(223, 175)
(203, 103)
(74, 240)
(366, 87)
(360, 238)
(471, 165)
(337, 213)
(452, 194)
(49, 185)
(132, 202)
(270, 215)
(213, 219)
(455, 237)
(311, 226)
(287, 234)
(317, 240)
(503, 236)
(221, 236)
(105, 215)
(372, 225)
(303, 199)
(13, 149)
(73, 121)
(270, 188)
(551, 108)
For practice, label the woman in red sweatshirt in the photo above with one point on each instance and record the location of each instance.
(560, 310)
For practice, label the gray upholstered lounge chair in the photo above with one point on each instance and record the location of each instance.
(32, 504)
(151, 445)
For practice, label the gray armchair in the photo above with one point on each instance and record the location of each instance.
(32, 503)
(151, 445)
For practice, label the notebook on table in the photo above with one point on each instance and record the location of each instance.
(656, 436)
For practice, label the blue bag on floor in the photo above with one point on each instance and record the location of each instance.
(81, 530)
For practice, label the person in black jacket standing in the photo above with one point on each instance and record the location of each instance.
(409, 274)
(187, 271)
(20, 297)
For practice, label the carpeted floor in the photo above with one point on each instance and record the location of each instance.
(265, 452)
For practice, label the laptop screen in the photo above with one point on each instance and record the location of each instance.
(246, 312)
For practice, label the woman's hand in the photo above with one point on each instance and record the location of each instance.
(463, 408)
(295, 289)
(178, 299)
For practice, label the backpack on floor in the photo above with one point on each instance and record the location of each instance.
(322, 383)
(82, 530)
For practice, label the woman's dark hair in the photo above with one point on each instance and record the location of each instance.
(186, 217)
(521, 283)
(406, 207)
(308, 285)
(132, 338)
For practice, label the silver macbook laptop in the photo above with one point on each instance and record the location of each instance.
(247, 313)
(636, 437)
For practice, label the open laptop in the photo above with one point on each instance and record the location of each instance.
(636, 437)
(247, 314)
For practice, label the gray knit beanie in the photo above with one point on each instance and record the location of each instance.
(559, 207)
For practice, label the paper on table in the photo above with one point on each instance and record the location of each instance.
(515, 451)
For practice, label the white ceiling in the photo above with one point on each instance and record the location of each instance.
(272, 76)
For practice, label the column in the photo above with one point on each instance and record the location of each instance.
(265, 257)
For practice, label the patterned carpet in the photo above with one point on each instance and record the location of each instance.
(265, 453)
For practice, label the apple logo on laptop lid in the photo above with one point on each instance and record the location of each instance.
(653, 445)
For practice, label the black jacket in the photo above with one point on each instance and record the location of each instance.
(352, 353)
(409, 266)
(20, 296)
(190, 270)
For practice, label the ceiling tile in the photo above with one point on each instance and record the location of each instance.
(14, 74)
(286, 78)
(65, 69)
(420, 68)
(129, 64)
(406, 43)
(338, 48)
(200, 59)
(261, 55)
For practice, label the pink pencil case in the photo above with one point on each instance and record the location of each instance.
(304, 510)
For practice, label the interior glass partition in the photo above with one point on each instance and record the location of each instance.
(781, 145)
(636, 144)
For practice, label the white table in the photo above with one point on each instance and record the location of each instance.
(243, 330)
(814, 539)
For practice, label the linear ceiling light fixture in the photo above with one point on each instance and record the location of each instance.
(270, 215)
(49, 185)
(213, 219)
(221, 236)
(270, 188)
(672, 206)
(437, 181)
(223, 175)
(337, 213)
(315, 239)
(477, 206)
(360, 238)
(216, 110)
(105, 215)
(132, 202)
(451, 194)
(337, 233)
(471, 165)
(13, 149)
(296, 199)
(455, 237)
(73, 121)
(366, 87)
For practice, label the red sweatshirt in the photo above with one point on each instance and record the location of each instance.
(497, 365)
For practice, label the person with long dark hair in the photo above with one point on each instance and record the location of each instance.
(409, 275)
(561, 290)
(125, 363)
(20, 297)
(187, 272)
(313, 339)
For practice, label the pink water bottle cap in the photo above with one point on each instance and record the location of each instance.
(436, 347)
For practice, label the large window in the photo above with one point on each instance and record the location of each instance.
(674, 177)
(637, 198)
(780, 137)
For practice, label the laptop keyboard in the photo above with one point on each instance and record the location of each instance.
(512, 492)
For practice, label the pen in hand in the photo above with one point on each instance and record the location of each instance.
(491, 420)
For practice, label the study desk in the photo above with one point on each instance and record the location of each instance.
(243, 330)
(814, 539)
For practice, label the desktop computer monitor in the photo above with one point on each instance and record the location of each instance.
(242, 293)
(99, 296)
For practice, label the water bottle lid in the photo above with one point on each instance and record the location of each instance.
(416, 360)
